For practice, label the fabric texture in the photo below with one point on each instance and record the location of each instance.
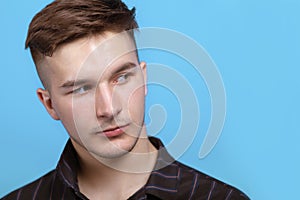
(170, 180)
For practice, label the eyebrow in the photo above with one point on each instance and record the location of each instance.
(124, 67)
(72, 83)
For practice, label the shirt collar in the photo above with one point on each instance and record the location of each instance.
(67, 166)
(163, 180)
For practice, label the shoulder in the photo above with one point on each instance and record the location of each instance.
(34, 189)
(202, 186)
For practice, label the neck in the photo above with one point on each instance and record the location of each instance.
(116, 178)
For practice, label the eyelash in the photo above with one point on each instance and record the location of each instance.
(125, 75)
(77, 90)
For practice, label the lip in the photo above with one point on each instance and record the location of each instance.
(113, 132)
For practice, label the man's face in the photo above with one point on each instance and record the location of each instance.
(97, 89)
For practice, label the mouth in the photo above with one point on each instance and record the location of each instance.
(113, 132)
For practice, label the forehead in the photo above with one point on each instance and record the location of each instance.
(89, 54)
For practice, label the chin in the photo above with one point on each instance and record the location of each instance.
(115, 148)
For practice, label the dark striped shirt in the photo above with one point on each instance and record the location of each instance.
(169, 180)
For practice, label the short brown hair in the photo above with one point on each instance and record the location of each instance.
(64, 21)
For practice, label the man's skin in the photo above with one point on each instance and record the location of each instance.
(96, 87)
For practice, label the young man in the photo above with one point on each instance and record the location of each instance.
(86, 58)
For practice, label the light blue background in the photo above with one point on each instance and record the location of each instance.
(256, 46)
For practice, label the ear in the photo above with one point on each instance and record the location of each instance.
(45, 99)
(143, 66)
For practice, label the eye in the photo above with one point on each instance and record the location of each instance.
(121, 78)
(81, 90)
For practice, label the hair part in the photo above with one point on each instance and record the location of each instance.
(64, 21)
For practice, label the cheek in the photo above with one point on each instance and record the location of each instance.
(136, 104)
(83, 111)
(64, 109)
(75, 114)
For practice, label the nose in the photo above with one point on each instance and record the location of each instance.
(106, 102)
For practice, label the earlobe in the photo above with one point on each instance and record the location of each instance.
(143, 66)
(45, 99)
